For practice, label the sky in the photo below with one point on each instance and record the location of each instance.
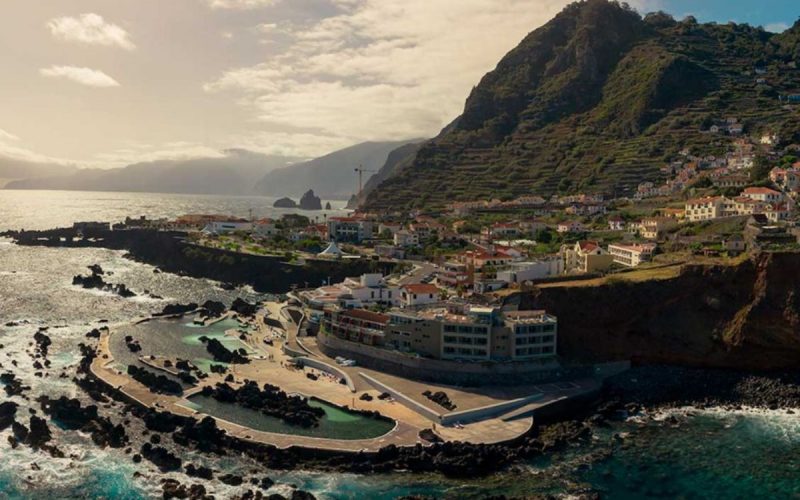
(105, 83)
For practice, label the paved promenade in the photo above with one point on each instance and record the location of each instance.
(270, 365)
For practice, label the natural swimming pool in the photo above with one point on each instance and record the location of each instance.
(338, 423)
(174, 337)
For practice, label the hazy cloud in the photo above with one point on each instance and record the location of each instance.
(90, 29)
(776, 27)
(7, 136)
(84, 76)
(381, 69)
(241, 4)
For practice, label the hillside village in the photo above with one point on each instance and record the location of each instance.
(454, 266)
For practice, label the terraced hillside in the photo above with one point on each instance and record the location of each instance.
(597, 100)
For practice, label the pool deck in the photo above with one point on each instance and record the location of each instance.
(271, 365)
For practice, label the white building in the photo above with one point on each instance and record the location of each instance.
(519, 272)
(632, 255)
(705, 208)
(419, 294)
(264, 228)
(228, 226)
(405, 238)
(764, 194)
(354, 292)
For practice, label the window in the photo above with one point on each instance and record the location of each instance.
(450, 339)
(547, 349)
(449, 350)
(450, 328)
(481, 329)
(464, 329)
(521, 340)
(547, 338)
(481, 341)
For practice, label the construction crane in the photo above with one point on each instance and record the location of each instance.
(361, 171)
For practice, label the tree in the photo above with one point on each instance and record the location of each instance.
(761, 168)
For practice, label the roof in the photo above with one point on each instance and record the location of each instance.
(363, 314)
(332, 249)
(703, 201)
(421, 288)
(760, 190)
(644, 247)
(589, 246)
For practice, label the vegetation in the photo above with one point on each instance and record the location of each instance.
(597, 100)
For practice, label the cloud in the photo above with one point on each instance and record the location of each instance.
(776, 27)
(84, 76)
(90, 29)
(378, 69)
(241, 4)
(7, 136)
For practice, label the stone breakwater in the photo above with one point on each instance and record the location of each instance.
(171, 251)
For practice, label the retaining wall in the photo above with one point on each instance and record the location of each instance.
(447, 372)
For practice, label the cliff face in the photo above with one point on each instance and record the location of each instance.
(746, 317)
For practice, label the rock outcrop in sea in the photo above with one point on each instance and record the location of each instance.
(284, 203)
(310, 201)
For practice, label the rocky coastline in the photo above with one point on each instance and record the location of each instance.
(642, 390)
(170, 251)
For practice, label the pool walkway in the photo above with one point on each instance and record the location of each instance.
(272, 365)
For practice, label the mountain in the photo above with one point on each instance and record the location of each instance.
(596, 100)
(331, 176)
(232, 174)
(394, 162)
(13, 169)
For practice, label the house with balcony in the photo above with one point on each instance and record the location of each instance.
(349, 229)
(632, 255)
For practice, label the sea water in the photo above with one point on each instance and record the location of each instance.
(707, 454)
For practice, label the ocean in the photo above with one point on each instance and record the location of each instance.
(706, 454)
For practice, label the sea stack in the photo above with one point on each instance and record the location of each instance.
(284, 203)
(310, 201)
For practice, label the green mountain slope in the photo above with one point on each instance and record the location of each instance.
(597, 100)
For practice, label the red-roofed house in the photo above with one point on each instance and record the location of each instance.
(418, 294)
(764, 194)
(585, 257)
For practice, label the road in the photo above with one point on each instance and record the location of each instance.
(420, 271)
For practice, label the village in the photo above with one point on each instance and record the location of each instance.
(441, 314)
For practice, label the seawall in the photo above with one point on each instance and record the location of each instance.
(172, 252)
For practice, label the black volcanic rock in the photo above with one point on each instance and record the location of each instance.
(223, 354)
(156, 383)
(161, 457)
(284, 203)
(8, 409)
(71, 415)
(309, 201)
(175, 309)
(12, 385)
(95, 281)
(243, 307)
(270, 401)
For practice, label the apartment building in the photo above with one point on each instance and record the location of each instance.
(632, 255)
(456, 332)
